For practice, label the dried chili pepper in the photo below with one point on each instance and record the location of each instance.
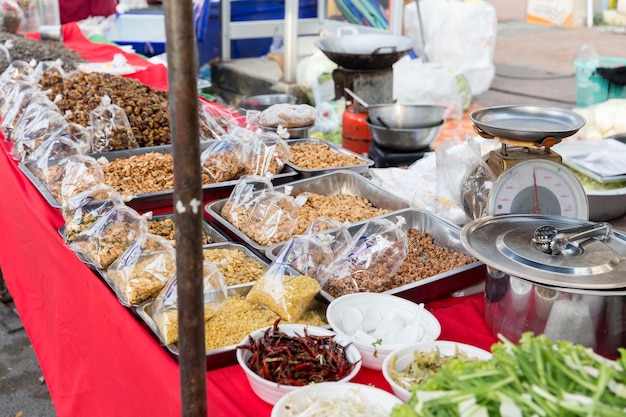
(297, 360)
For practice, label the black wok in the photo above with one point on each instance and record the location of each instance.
(365, 51)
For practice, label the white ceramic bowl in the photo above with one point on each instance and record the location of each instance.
(379, 323)
(296, 401)
(270, 391)
(404, 357)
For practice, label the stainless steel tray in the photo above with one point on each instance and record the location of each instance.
(149, 201)
(307, 173)
(446, 235)
(216, 358)
(338, 182)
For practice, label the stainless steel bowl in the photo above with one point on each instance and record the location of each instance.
(294, 132)
(405, 138)
(405, 116)
(263, 101)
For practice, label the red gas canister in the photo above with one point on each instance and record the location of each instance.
(355, 133)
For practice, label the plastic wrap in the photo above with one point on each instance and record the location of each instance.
(49, 124)
(142, 272)
(83, 209)
(375, 254)
(34, 109)
(309, 255)
(266, 155)
(223, 160)
(72, 175)
(272, 218)
(11, 117)
(110, 128)
(106, 239)
(236, 209)
(287, 295)
(165, 307)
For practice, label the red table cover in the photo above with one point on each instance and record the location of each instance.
(96, 357)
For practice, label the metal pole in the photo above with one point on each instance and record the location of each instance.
(291, 40)
(182, 61)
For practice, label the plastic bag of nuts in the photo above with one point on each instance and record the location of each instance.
(375, 254)
(266, 155)
(236, 209)
(143, 270)
(83, 209)
(48, 124)
(32, 112)
(53, 149)
(272, 218)
(110, 128)
(165, 306)
(223, 160)
(72, 175)
(309, 255)
(110, 236)
(338, 240)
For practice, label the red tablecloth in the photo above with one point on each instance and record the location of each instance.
(97, 359)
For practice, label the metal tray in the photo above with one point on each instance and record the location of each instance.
(446, 235)
(307, 173)
(159, 199)
(338, 182)
(216, 358)
(527, 123)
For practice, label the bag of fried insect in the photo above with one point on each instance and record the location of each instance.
(143, 270)
(48, 124)
(368, 265)
(335, 233)
(48, 74)
(110, 128)
(223, 160)
(11, 16)
(110, 236)
(237, 209)
(284, 291)
(74, 141)
(165, 306)
(38, 105)
(22, 100)
(215, 122)
(12, 87)
(266, 155)
(83, 209)
(72, 175)
(273, 217)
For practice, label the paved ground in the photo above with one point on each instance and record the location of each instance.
(534, 65)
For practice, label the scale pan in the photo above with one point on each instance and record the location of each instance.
(527, 123)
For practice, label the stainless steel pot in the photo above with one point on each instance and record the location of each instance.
(569, 284)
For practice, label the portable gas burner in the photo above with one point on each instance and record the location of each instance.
(385, 157)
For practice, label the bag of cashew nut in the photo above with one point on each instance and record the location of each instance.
(83, 209)
(72, 175)
(214, 122)
(376, 252)
(284, 293)
(266, 155)
(110, 128)
(48, 124)
(110, 236)
(237, 209)
(272, 218)
(223, 160)
(165, 306)
(143, 270)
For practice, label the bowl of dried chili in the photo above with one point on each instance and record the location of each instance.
(279, 359)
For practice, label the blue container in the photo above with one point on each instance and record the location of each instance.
(209, 33)
(591, 87)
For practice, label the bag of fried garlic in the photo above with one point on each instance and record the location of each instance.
(223, 160)
(83, 209)
(236, 209)
(376, 252)
(284, 293)
(165, 306)
(110, 236)
(267, 154)
(48, 124)
(141, 272)
(72, 175)
(110, 128)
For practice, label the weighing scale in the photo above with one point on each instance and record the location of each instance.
(530, 176)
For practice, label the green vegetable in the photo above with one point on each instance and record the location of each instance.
(535, 377)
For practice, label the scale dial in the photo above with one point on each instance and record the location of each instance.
(539, 186)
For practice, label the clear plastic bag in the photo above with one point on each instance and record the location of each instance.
(18, 70)
(285, 294)
(165, 306)
(223, 160)
(72, 176)
(110, 128)
(32, 112)
(375, 254)
(106, 239)
(49, 124)
(51, 151)
(477, 182)
(11, 117)
(237, 209)
(142, 272)
(11, 16)
(339, 239)
(266, 155)
(83, 209)
(309, 255)
(214, 124)
(272, 218)
(48, 73)
(11, 90)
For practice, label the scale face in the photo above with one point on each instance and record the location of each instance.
(539, 186)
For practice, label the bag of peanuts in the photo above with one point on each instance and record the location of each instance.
(272, 218)
(48, 124)
(107, 238)
(266, 155)
(83, 209)
(223, 160)
(284, 293)
(165, 306)
(110, 128)
(237, 209)
(143, 270)
(72, 175)
(376, 252)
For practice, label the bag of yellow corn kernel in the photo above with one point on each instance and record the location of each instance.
(141, 272)
(165, 306)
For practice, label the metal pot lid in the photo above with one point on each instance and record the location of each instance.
(550, 250)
